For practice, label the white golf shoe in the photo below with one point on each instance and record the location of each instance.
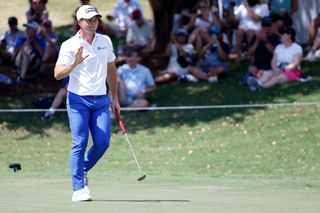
(81, 195)
(86, 183)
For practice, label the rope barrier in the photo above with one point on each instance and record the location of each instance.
(266, 105)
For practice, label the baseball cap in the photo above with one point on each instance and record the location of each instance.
(136, 14)
(32, 24)
(87, 12)
(181, 31)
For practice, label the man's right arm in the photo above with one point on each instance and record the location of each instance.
(61, 70)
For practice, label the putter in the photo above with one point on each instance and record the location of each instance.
(123, 129)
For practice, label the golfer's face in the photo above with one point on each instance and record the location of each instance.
(89, 25)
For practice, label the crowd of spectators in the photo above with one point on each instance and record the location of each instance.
(202, 44)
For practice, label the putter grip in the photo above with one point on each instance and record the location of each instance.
(123, 129)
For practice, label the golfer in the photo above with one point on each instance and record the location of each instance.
(88, 59)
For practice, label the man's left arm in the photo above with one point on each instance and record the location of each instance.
(112, 79)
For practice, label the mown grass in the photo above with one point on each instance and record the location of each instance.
(248, 142)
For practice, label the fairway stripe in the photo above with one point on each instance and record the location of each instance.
(267, 105)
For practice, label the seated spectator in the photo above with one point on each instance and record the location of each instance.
(202, 24)
(185, 15)
(51, 38)
(181, 56)
(139, 34)
(37, 11)
(29, 52)
(228, 21)
(9, 40)
(261, 50)
(135, 81)
(57, 101)
(314, 39)
(120, 14)
(213, 59)
(285, 63)
(249, 15)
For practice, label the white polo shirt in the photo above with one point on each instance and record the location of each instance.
(89, 77)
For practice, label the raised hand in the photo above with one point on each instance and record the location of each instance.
(78, 57)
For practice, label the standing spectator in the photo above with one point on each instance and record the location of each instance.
(121, 15)
(181, 57)
(285, 62)
(29, 52)
(249, 14)
(89, 60)
(139, 34)
(9, 40)
(135, 81)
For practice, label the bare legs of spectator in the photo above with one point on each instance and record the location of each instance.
(199, 38)
(275, 79)
(165, 77)
(199, 74)
(313, 30)
(23, 62)
(136, 102)
(57, 101)
(241, 35)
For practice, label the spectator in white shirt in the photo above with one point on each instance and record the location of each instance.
(121, 15)
(139, 34)
(249, 15)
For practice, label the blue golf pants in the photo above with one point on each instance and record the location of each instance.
(87, 113)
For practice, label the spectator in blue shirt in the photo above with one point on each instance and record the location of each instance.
(135, 81)
(9, 40)
(29, 52)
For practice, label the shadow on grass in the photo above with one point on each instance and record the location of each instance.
(226, 92)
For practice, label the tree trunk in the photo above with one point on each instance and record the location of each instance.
(163, 12)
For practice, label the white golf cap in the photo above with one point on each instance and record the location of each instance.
(87, 12)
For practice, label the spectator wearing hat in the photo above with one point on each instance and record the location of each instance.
(29, 52)
(139, 34)
(121, 15)
(135, 81)
(261, 51)
(9, 40)
(213, 57)
(285, 64)
(181, 57)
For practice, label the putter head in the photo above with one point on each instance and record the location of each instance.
(141, 178)
(15, 166)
